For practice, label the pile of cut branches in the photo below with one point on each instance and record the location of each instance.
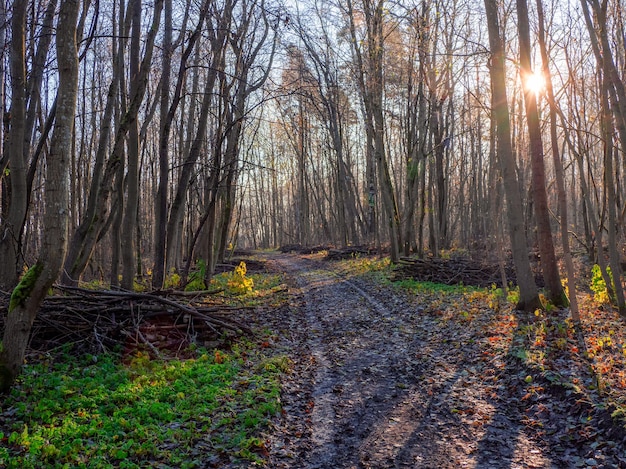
(349, 252)
(454, 271)
(93, 321)
(300, 249)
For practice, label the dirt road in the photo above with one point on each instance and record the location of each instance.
(380, 383)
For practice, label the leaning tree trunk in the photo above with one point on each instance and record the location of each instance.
(529, 297)
(33, 287)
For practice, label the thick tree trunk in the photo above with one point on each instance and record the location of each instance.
(540, 197)
(34, 286)
(558, 169)
(529, 297)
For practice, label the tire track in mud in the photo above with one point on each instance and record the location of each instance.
(346, 331)
(325, 295)
(377, 382)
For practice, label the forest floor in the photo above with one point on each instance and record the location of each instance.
(336, 364)
(386, 377)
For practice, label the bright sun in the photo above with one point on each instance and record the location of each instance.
(535, 82)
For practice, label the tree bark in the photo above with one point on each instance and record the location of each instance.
(540, 197)
(371, 85)
(168, 111)
(558, 169)
(129, 216)
(218, 50)
(10, 230)
(529, 297)
(609, 185)
(34, 286)
(160, 219)
(95, 221)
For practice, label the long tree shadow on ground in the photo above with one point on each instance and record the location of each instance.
(499, 442)
(458, 385)
(539, 397)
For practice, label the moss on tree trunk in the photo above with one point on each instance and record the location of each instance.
(24, 288)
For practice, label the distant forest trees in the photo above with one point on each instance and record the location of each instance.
(139, 137)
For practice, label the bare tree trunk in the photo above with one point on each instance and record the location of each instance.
(218, 46)
(168, 111)
(129, 217)
(160, 222)
(558, 169)
(178, 203)
(371, 86)
(10, 230)
(529, 297)
(95, 221)
(3, 156)
(76, 255)
(540, 197)
(440, 227)
(601, 46)
(246, 52)
(416, 136)
(609, 185)
(34, 286)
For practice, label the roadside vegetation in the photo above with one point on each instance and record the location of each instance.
(201, 407)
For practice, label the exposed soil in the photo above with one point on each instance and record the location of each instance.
(379, 381)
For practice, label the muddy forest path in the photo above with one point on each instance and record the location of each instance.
(378, 382)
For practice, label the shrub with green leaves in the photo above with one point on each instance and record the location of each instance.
(598, 285)
(238, 282)
(172, 280)
(196, 278)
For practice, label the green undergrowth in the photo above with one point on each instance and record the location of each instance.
(255, 289)
(415, 286)
(104, 412)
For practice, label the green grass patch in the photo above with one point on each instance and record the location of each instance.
(366, 265)
(105, 413)
(415, 286)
